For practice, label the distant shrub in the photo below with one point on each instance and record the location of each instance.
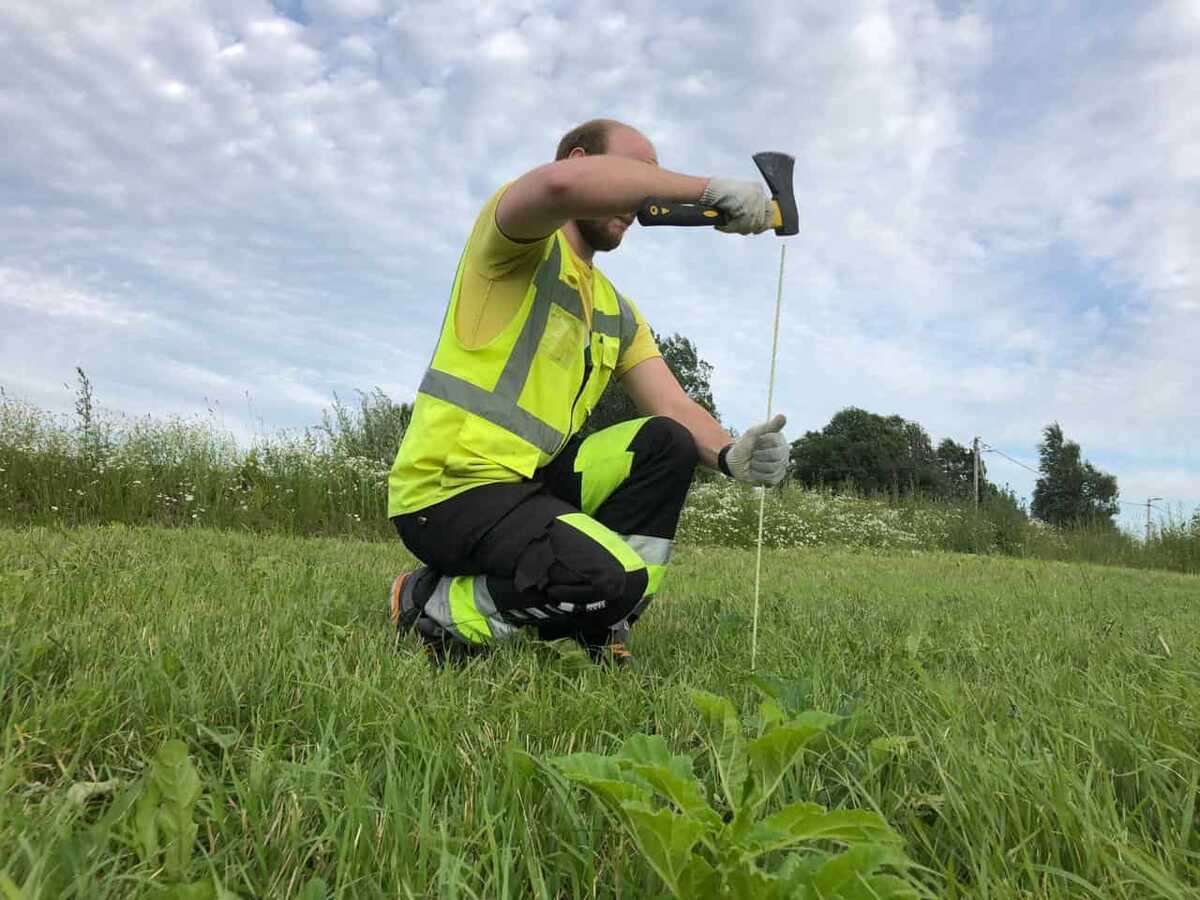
(371, 430)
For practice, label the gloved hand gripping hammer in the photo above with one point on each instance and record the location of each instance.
(776, 168)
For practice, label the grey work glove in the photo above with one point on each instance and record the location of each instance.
(746, 206)
(760, 456)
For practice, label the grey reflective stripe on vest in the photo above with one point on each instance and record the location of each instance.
(499, 405)
(654, 551)
(628, 322)
(607, 324)
(494, 407)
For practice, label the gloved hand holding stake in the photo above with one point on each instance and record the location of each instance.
(746, 206)
(760, 456)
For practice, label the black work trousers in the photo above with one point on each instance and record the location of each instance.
(576, 551)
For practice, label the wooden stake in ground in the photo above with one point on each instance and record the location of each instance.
(762, 491)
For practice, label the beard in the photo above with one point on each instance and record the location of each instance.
(598, 234)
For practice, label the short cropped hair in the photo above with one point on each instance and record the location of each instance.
(591, 136)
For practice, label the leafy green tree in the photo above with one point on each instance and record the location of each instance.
(956, 468)
(684, 360)
(1070, 490)
(875, 454)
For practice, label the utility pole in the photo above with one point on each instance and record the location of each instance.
(975, 456)
(1148, 502)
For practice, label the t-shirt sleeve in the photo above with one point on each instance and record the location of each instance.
(493, 253)
(641, 348)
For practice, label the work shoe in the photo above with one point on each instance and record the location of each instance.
(403, 611)
(405, 615)
(614, 654)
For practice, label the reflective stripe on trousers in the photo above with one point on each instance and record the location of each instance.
(655, 553)
(463, 606)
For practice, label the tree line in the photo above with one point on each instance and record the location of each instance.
(877, 455)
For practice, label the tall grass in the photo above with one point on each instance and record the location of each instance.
(331, 480)
(109, 468)
(1028, 728)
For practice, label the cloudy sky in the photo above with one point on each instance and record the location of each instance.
(244, 206)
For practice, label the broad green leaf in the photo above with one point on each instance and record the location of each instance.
(727, 743)
(840, 875)
(687, 794)
(773, 754)
(175, 781)
(792, 694)
(175, 776)
(651, 749)
(145, 822)
(770, 715)
(183, 839)
(603, 776)
(520, 765)
(882, 749)
(746, 881)
(803, 821)
(671, 776)
(665, 839)
(699, 879)
(796, 873)
(594, 765)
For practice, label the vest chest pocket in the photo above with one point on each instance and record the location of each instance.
(609, 351)
(606, 350)
(562, 341)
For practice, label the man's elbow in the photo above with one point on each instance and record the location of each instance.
(557, 186)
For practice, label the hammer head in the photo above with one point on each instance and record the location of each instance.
(777, 169)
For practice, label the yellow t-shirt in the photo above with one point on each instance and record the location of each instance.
(497, 275)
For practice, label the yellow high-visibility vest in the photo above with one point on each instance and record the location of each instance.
(500, 411)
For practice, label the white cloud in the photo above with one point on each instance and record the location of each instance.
(52, 298)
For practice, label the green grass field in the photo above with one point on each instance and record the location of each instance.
(1051, 711)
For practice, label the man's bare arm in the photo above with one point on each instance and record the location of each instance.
(587, 187)
(655, 391)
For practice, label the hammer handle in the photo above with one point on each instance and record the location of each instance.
(665, 212)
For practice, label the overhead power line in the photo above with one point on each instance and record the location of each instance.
(988, 448)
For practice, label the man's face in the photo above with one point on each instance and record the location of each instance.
(605, 234)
